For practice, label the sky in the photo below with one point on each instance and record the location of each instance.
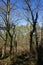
(40, 13)
(20, 12)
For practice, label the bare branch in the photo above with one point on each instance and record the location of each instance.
(3, 13)
(2, 18)
(30, 10)
(2, 37)
(27, 19)
(4, 2)
(36, 17)
(13, 5)
(2, 9)
(2, 28)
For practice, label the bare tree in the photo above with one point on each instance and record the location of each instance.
(33, 20)
(5, 14)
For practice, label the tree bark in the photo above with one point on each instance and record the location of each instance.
(5, 44)
(11, 45)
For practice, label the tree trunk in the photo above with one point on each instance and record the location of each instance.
(31, 34)
(36, 40)
(15, 44)
(11, 45)
(5, 44)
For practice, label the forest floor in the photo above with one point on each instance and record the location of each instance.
(22, 57)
